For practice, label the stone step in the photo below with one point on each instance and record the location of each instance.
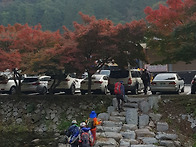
(130, 105)
(148, 140)
(128, 135)
(166, 136)
(115, 113)
(128, 142)
(117, 118)
(114, 135)
(144, 133)
(108, 129)
(112, 124)
(107, 142)
(129, 127)
(133, 126)
(135, 100)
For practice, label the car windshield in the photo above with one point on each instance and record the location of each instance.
(165, 77)
(26, 80)
(119, 74)
(105, 72)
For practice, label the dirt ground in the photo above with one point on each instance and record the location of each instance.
(172, 108)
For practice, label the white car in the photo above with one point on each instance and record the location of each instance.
(35, 84)
(7, 85)
(69, 85)
(167, 82)
(99, 84)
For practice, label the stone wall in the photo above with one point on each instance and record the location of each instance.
(48, 113)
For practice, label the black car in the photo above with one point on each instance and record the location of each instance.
(193, 85)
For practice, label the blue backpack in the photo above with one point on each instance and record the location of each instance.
(74, 132)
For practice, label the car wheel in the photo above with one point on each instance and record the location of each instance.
(105, 91)
(178, 91)
(44, 91)
(182, 90)
(83, 92)
(72, 90)
(135, 91)
(12, 90)
(154, 92)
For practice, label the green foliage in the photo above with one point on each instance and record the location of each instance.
(63, 125)
(194, 138)
(13, 128)
(53, 14)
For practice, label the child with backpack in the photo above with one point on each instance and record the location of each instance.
(92, 123)
(73, 134)
(85, 137)
(119, 91)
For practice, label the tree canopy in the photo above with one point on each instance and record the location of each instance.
(167, 28)
(92, 44)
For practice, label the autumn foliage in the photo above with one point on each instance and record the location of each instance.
(167, 28)
(87, 48)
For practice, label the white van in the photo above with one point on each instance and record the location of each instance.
(131, 80)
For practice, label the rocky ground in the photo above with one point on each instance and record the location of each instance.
(169, 125)
(173, 108)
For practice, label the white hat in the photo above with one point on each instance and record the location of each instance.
(74, 122)
(82, 124)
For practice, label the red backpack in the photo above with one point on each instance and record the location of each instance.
(85, 139)
(117, 89)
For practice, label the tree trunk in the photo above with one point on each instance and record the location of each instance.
(17, 80)
(89, 82)
(56, 82)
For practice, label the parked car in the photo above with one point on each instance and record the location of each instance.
(35, 84)
(193, 85)
(104, 72)
(69, 85)
(131, 80)
(167, 82)
(99, 84)
(7, 85)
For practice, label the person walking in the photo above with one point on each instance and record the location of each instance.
(92, 123)
(85, 138)
(119, 91)
(73, 134)
(146, 80)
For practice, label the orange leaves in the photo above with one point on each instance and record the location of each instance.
(9, 60)
(87, 18)
(167, 18)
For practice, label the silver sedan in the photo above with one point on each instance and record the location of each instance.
(167, 82)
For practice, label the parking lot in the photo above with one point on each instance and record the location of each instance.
(187, 91)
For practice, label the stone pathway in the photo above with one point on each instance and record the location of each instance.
(137, 126)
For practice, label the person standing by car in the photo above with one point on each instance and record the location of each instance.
(119, 91)
(146, 80)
